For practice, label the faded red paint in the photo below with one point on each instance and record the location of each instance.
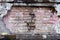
(42, 13)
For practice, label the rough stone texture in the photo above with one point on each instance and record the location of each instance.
(18, 17)
(3, 12)
(15, 21)
(44, 21)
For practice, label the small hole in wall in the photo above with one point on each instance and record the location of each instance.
(59, 16)
(0, 14)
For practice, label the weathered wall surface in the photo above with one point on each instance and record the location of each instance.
(32, 0)
(19, 20)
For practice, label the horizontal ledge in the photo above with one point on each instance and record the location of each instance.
(32, 2)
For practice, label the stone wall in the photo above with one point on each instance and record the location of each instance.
(30, 19)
